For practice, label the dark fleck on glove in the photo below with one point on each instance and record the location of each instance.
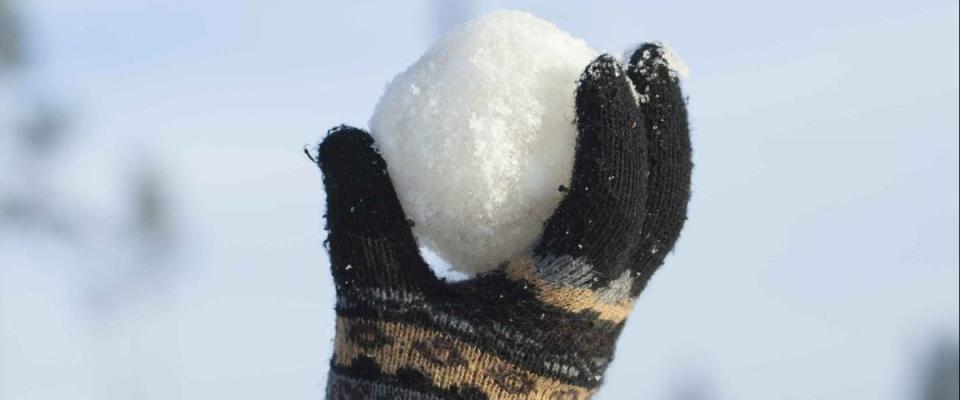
(543, 325)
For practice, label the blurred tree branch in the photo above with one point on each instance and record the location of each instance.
(941, 374)
(11, 54)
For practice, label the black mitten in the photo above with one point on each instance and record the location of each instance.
(543, 325)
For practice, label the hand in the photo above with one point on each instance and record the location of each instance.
(543, 325)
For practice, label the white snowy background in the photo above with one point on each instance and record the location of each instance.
(164, 242)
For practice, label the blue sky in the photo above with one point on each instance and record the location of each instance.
(819, 260)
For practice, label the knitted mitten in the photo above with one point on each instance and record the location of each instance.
(543, 325)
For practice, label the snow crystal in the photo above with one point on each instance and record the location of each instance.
(479, 133)
(668, 57)
(674, 62)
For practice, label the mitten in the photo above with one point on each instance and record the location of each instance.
(543, 325)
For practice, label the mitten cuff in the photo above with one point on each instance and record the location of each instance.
(393, 360)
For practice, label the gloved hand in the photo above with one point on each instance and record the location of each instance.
(543, 325)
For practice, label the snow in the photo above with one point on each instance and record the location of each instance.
(479, 135)
(674, 62)
(667, 56)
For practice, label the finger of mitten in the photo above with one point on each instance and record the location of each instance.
(370, 241)
(668, 144)
(598, 220)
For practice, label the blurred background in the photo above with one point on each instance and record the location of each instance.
(161, 230)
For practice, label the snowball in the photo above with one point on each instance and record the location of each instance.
(479, 134)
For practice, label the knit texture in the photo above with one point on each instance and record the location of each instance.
(543, 325)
